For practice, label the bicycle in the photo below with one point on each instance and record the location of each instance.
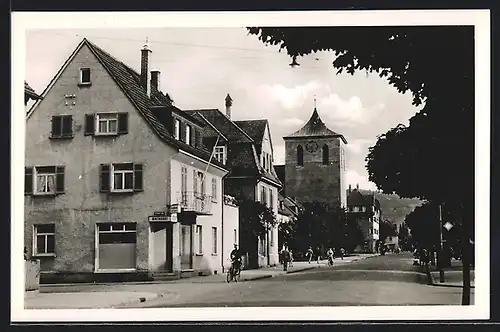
(233, 274)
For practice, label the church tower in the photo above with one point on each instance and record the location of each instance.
(315, 164)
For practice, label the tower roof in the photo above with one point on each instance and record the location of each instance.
(315, 127)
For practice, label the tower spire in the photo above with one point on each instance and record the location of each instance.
(315, 102)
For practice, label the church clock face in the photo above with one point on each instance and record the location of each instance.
(312, 146)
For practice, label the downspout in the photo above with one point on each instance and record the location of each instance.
(222, 223)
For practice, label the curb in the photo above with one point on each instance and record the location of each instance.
(141, 299)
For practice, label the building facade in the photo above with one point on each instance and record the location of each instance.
(245, 147)
(315, 164)
(365, 210)
(117, 181)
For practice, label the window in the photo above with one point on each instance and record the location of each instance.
(235, 236)
(44, 240)
(44, 180)
(271, 234)
(214, 189)
(220, 154)
(271, 199)
(106, 124)
(62, 126)
(177, 129)
(188, 134)
(300, 156)
(199, 235)
(198, 183)
(214, 240)
(263, 195)
(326, 157)
(117, 246)
(85, 76)
(184, 185)
(123, 177)
(262, 246)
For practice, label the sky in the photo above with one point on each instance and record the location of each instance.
(200, 66)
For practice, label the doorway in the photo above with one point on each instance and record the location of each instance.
(162, 246)
(186, 247)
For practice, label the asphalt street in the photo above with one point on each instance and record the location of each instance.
(382, 280)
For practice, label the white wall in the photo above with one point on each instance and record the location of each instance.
(204, 260)
(231, 225)
(273, 234)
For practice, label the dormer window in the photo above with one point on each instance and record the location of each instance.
(177, 129)
(85, 76)
(188, 134)
(220, 154)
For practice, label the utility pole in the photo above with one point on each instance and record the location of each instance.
(440, 256)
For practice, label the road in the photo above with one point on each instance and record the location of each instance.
(382, 280)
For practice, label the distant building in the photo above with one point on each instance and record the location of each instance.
(365, 210)
(392, 242)
(315, 164)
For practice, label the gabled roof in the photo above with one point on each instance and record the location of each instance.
(223, 124)
(129, 82)
(315, 127)
(280, 172)
(254, 128)
(285, 210)
(356, 198)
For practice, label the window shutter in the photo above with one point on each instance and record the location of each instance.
(193, 136)
(28, 180)
(122, 123)
(197, 139)
(67, 126)
(105, 178)
(59, 179)
(138, 177)
(89, 124)
(195, 182)
(56, 126)
(182, 128)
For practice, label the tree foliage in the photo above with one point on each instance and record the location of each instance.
(321, 227)
(256, 219)
(433, 157)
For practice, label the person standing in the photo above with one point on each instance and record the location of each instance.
(291, 257)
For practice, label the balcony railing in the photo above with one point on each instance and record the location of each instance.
(195, 202)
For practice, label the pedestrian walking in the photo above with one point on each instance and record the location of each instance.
(286, 258)
(342, 253)
(309, 254)
(291, 258)
(318, 254)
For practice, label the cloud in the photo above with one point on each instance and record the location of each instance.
(354, 178)
(289, 98)
(358, 145)
(349, 111)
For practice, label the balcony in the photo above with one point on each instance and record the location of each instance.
(198, 203)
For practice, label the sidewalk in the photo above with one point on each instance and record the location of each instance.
(80, 296)
(452, 275)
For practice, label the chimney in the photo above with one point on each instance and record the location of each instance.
(357, 186)
(229, 103)
(145, 73)
(155, 79)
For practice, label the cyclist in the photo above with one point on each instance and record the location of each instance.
(235, 259)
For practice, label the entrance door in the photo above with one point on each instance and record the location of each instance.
(162, 246)
(186, 245)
